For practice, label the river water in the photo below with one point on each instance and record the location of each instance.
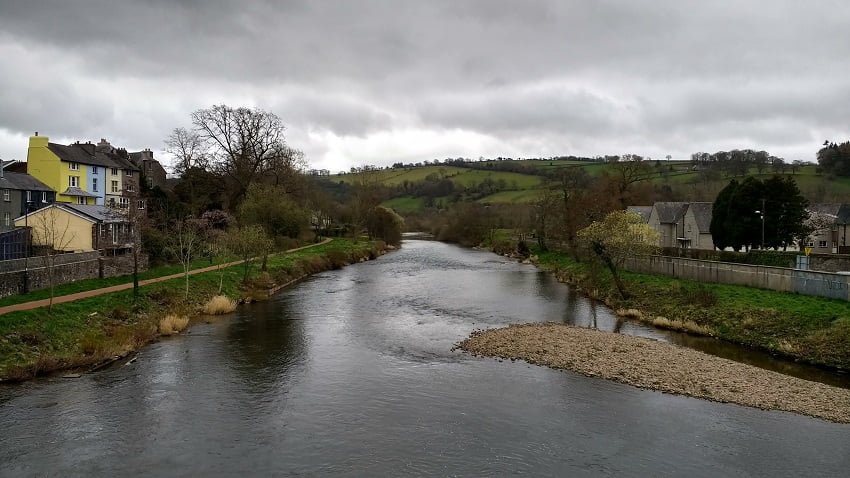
(351, 373)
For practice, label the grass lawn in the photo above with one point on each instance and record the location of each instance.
(91, 330)
(812, 329)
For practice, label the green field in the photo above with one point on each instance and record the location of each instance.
(517, 188)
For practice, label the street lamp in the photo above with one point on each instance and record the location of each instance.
(761, 212)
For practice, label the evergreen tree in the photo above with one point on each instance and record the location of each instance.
(751, 212)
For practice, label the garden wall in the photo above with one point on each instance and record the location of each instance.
(822, 284)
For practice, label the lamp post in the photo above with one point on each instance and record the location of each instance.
(761, 212)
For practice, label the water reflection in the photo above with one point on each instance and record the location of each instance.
(265, 343)
(351, 373)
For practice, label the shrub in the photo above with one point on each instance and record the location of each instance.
(337, 257)
(218, 305)
(172, 324)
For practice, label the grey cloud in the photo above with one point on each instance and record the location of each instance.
(589, 75)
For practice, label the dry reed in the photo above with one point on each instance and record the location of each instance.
(172, 324)
(218, 305)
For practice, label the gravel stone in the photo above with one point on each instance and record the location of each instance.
(655, 365)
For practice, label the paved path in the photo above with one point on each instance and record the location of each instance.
(115, 288)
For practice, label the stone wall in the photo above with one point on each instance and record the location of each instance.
(816, 283)
(67, 268)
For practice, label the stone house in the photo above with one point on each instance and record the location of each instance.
(696, 232)
(668, 219)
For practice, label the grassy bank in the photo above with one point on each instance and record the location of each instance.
(811, 329)
(89, 331)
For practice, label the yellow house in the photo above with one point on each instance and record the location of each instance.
(76, 228)
(66, 169)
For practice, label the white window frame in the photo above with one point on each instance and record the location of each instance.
(74, 166)
(130, 188)
(115, 171)
(129, 173)
(141, 203)
(73, 181)
(81, 200)
(7, 195)
(44, 196)
(7, 219)
(115, 187)
(823, 244)
(94, 185)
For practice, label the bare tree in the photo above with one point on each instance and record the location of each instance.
(242, 143)
(188, 150)
(247, 243)
(52, 229)
(185, 240)
(134, 213)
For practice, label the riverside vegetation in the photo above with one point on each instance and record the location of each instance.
(87, 332)
(811, 329)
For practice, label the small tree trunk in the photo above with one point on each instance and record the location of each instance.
(617, 279)
(186, 275)
(135, 275)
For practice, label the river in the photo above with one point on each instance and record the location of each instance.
(351, 373)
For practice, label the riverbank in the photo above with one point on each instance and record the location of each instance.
(654, 365)
(809, 329)
(87, 332)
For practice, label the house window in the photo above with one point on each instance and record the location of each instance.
(94, 169)
(141, 204)
(821, 243)
(130, 188)
(115, 171)
(115, 186)
(94, 184)
(124, 202)
(74, 181)
(7, 219)
(7, 195)
(44, 196)
(81, 200)
(29, 196)
(129, 172)
(74, 166)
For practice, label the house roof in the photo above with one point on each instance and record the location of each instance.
(642, 211)
(21, 181)
(670, 212)
(702, 215)
(88, 154)
(96, 213)
(73, 191)
(824, 208)
(843, 214)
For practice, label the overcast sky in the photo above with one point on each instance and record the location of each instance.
(380, 81)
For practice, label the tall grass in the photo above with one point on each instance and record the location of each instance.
(172, 324)
(218, 305)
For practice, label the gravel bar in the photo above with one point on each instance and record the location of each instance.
(659, 366)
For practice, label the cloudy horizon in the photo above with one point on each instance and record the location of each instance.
(382, 81)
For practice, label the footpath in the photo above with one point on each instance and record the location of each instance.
(115, 288)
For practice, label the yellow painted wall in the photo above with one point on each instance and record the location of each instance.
(45, 166)
(66, 231)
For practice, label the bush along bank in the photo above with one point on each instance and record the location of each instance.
(810, 329)
(85, 333)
